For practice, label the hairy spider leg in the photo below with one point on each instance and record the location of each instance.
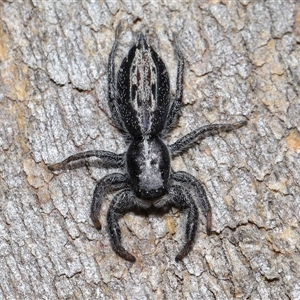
(115, 114)
(177, 102)
(122, 203)
(109, 158)
(189, 179)
(182, 199)
(108, 183)
(188, 140)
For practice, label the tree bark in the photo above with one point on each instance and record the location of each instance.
(242, 62)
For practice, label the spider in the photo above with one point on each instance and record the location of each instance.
(142, 107)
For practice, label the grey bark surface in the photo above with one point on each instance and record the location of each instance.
(242, 61)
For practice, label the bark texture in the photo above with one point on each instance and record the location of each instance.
(242, 62)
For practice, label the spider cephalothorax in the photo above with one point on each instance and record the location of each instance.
(141, 106)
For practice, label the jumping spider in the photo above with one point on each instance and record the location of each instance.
(142, 108)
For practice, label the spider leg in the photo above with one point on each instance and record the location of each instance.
(182, 199)
(122, 203)
(200, 133)
(188, 179)
(112, 83)
(110, 158)
(176, 104)
(111, 181)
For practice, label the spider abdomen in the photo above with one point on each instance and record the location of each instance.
(143, 86)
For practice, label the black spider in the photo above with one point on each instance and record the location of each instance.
(142, 107)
